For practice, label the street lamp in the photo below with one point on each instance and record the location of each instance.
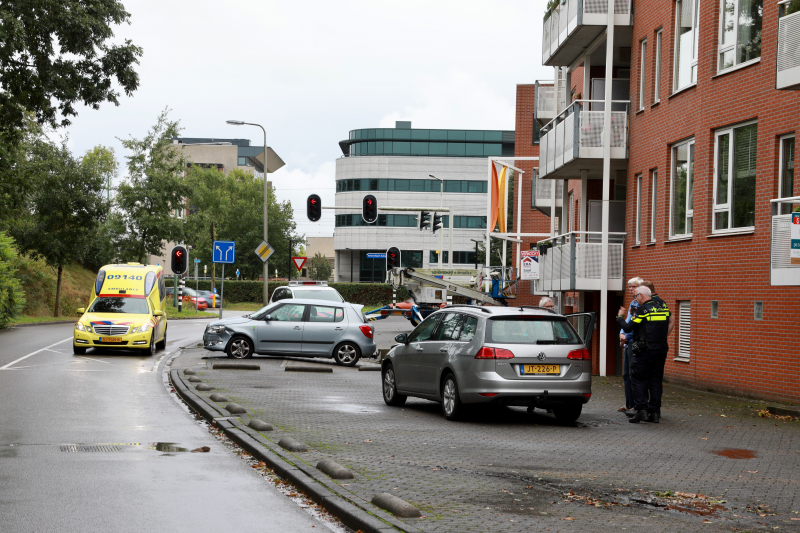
(441, 235)
(476, 241)
(266, 263)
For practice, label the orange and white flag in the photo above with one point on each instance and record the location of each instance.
(501, 202)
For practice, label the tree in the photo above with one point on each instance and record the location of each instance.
(154, 191)
(319, 268)
(55, 54)
(12, 297)
(65, 206)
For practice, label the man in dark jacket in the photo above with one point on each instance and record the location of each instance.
(650, 325)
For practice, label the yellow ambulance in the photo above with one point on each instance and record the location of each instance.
(126, 310)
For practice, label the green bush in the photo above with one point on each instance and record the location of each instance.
(12, 297)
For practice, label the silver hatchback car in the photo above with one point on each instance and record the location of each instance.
(520, 356)
(299, 327)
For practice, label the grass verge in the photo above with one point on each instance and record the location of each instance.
(188, 312)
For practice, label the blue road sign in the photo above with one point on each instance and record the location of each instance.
(224, 252)
(376, 256)
(196, 260)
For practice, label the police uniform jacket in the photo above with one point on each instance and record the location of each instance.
(650, 322)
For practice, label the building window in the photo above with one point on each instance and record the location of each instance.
(657, 73)
(682, 184)
(653, 205)
(434, 257)
(685, 72)
(685, 329)
(758, 311)
(735, 172)
(786, 173)
(714, 309)
(638, 209)
(242, 161)
(642, 71)
(412, 185)
(740, 32)
(570, 212)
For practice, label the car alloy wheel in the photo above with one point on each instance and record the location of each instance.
(151, 349)
(163, 343)
(390, 395)
(346, 354)
(451, 403)
(239, 348)
(78, 350)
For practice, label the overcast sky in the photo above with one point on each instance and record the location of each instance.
(310, 71)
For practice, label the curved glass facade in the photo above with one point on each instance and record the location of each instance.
(437, 143)
(408, 221)
(407, 185)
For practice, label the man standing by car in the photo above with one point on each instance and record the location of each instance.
(625, 340)
(649, 325)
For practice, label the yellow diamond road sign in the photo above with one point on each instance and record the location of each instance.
(264, 251)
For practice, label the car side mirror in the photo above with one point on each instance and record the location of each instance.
(402, 338)
(268, 318)
(158, 312)
(81, 310)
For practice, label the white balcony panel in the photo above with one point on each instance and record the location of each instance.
(543, 140)
(575, 24)
(560, 271)
(572, 23)
(782, 271)
(569, 139)
(559, 153)
(546, 40)
(788, 64)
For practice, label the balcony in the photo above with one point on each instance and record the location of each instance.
(542, 198)
(576, 136)
(787, 75)
(574, 263)
(784, 269)
(574, 24)
(546, 105)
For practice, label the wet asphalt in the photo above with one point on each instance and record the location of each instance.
(98, 443)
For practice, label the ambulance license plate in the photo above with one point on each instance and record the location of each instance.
(539, 369)
(110, 339)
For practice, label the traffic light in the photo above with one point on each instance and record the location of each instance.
(437, 222)
(392, 258)
(369, 209)
(179, 256)
(313, 207)
(424, 220)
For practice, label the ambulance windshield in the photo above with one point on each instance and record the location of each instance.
(134, 306)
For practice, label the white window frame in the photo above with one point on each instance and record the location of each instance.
(657, 73)
(638, 209)
(653, 205)
(785, 208)
(685, 330)
(689, 197)
(695, 40)
(726, 207)
(642, 71)
(731, 47)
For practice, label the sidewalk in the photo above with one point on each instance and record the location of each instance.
(507, 470)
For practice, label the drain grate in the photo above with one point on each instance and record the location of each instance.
(93, 448)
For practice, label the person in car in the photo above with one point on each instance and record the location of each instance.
(547, 303)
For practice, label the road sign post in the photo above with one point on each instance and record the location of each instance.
(223, 252)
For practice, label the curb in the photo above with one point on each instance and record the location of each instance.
(349, 508)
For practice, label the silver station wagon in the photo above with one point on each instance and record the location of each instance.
(516, 356)
(299, 327)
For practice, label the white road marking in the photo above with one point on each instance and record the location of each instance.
(12, 363)
(90, 359)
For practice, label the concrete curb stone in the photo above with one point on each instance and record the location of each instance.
(204, 387)
(235, 409)
(219, 398)
(396, 506)
(259, 425)
(334, 469)
(235, 366)
(288, 443)
(329, 497)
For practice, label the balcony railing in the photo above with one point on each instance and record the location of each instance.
(546, 104)
(574, 24)
(577, 133)
(784, 270)
(574, 262)
(787, 75)
(542, 197)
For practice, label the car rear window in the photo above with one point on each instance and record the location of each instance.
(134, 306)
(330, 295)
(530, 330)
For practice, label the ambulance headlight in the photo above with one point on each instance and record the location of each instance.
(141, 329)
(79, 326)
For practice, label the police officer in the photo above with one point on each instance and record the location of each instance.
(650, 324)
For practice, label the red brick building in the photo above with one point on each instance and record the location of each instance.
(703, 137)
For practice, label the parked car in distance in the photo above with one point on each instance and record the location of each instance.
(515, 356)
(299, 327)
(190, 296)
(306, 289)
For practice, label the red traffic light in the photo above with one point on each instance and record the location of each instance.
(369, 209)
(178, 260)
(314, 207)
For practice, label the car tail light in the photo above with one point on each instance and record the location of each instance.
(366, 330)
(581, 355)
(494, 353)
(489, 394)
(587, 394)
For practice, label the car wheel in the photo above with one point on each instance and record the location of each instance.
(78, 350)
(567, 413)
(390, 395)
(452, 407)
(347, 354)
(151, 349)
(240, 348)
(163, 343)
